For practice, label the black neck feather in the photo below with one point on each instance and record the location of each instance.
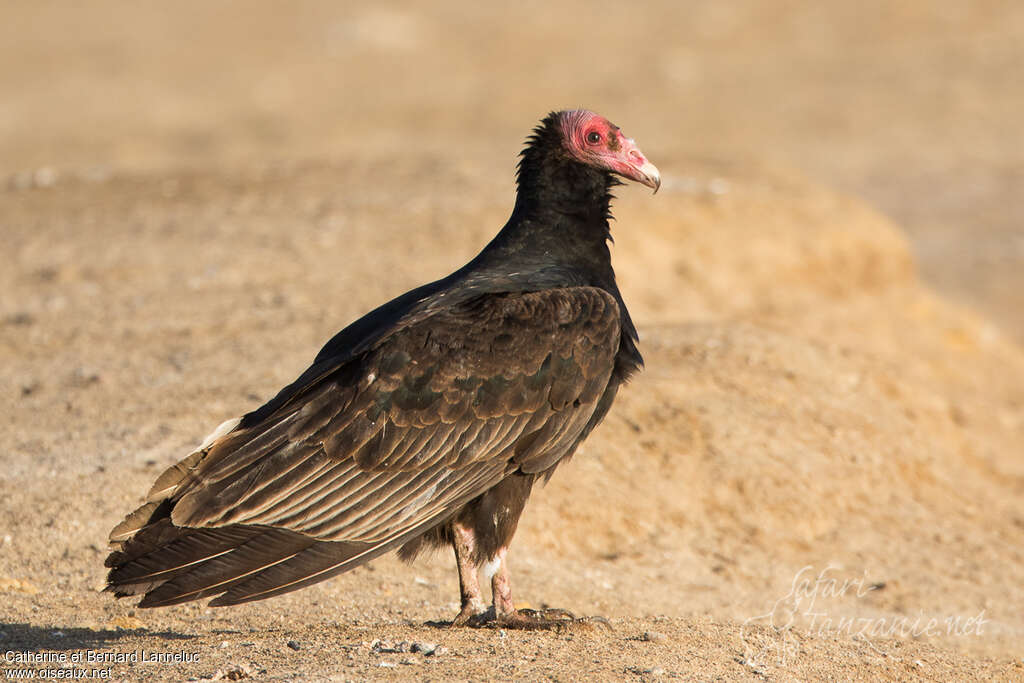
(550, 181)
(558, 232)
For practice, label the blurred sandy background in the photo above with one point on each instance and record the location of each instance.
(914, 106)
(195, 195)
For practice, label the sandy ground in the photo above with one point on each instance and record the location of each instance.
(818, 476)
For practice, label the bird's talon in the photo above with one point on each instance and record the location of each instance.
(473, 617)
(549, 613)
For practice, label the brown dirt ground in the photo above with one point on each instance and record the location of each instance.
(818, 476)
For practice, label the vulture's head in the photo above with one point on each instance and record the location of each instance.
(596, 141)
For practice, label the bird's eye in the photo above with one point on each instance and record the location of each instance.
(593, 137)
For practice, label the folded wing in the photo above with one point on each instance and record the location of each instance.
(374, 451)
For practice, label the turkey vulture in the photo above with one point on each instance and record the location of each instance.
(426, 422)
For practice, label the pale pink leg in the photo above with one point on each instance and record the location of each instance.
(501, 587)
(464, 543)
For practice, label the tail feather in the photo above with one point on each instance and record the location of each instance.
(239, 563)
(265, 548)
(183, 554)
(235, 563)
(317, 563)
(129, 529)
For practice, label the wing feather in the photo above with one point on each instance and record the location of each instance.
(283, 508)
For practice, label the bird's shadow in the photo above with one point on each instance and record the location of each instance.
(29, 638)
(484, 620)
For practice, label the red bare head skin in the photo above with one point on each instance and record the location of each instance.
(596, 141)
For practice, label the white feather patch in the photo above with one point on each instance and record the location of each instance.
(220, 431)
(491, 568)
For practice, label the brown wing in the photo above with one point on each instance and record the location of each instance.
(379, 450)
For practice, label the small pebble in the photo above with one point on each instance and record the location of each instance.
(652, 636)
(294, 644)
(425, 649)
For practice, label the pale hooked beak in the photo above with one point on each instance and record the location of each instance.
(649, 175)
(638, 168)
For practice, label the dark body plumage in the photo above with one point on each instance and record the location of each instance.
(435, 412)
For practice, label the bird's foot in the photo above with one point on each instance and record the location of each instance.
(470, 615)
(550, 619)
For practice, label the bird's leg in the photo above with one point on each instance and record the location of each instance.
(464, 542)
(505, 613)
(501, 588)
